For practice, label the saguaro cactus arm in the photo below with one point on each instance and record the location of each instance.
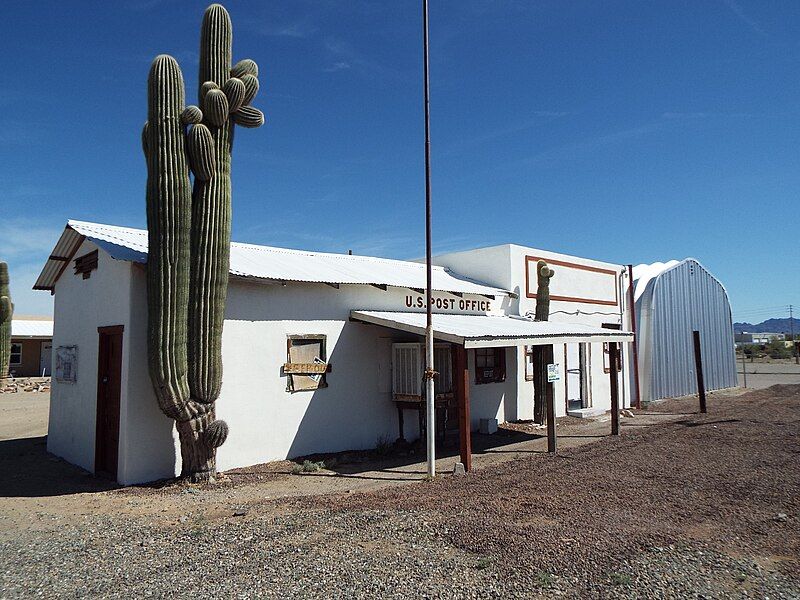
(543, 276)
(542, 355)
(168, 214)
(225, 93)
(6, 314)
(6, 309)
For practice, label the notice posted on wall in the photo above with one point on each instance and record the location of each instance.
(552, 373)
(67, 364)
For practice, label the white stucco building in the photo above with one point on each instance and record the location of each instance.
(359, 315)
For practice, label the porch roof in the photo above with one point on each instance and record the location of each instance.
(489, 331)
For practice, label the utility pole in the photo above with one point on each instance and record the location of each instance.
(429, 371)
(744, 365)
(794, 342)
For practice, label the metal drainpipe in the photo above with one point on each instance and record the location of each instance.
(620, 294)
(632, 304)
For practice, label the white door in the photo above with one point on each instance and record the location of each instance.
(45, 359)
(576, 376)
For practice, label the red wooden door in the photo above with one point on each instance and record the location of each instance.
(109, 380)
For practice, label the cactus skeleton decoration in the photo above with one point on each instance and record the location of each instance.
(189, 229)
(6, 312)
(542, 355)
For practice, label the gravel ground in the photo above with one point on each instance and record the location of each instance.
(703, 506)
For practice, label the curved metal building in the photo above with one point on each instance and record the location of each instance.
(671, 300)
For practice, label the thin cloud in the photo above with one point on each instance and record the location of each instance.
(300, 29)
(538, 118)
(337, 66)
(737, 10)
(25, 245)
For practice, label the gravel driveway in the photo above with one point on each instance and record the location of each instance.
(702, 506)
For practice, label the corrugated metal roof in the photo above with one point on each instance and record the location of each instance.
(264, 262)
(485, 331)
(31, 328)
(644, 273)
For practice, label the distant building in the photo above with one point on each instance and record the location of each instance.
(746, 337)
(31, 343)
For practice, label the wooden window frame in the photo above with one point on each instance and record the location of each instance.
(11, 361)
(291, 340)
(498, 374)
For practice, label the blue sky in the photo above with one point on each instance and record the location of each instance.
(623, 131)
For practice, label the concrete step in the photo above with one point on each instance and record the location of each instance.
(586, 413)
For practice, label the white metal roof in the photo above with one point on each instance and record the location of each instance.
(644, 273)
(24, 328)
(268, 263)
(485, 331)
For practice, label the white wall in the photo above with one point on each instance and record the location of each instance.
(81, 306)
(505, 266)
(267, 422)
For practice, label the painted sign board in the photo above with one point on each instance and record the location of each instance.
(449, 304)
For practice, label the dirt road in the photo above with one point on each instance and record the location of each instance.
(696, 506)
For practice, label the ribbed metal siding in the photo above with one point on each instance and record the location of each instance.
(687, 298)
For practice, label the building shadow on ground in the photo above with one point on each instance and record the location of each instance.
(392, 464)
(30, 472)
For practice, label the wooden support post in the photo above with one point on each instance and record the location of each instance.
(547, 358)
(400, 423)
(698, 367)
(461, 380)
(613, 358)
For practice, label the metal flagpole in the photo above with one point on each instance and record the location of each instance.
(429, 372)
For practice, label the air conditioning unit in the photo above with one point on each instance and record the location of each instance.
(408, 362)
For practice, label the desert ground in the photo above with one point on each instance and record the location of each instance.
(763, 373)
(680, 505)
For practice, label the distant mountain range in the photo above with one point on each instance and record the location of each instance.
(768, 326)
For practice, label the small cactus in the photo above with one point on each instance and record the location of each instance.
(543, 275)
(6, 312)
(189, 228)
(542, 355)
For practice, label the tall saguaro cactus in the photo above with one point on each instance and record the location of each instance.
(6, 312)
(189, 229)
(542, 355)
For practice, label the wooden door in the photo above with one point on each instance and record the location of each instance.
(109, 380)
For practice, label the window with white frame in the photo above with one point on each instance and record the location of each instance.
(16, 354)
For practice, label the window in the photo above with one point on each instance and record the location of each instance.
(306, 365)
(16, 354)
(490, 365)
(607, 354)
(528, 363)
(84, 265)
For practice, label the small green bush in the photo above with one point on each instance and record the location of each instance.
(620, 579)
(383, 446)
(308, 466)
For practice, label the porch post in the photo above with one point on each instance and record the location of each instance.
(548, 358)
(613, 358)
(698, 367)
(461, 380)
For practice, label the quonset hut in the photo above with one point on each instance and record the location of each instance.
(672, 300)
